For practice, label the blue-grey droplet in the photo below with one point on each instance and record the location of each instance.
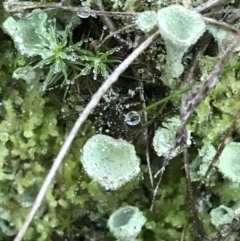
(132, 118)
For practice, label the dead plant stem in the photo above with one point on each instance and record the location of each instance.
(225, 141)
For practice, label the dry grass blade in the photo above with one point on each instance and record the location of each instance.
(225, 141)
(220, 24)
(210, 4)
(86, 112)
(187, 81)
(20, 6)
(193, 210)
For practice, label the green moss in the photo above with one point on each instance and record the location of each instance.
(33, 127)
(40, 36)
(215, 114)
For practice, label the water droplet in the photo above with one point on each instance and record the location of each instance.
(84, 14)
(56, 70)
(94, 15)
(105, 27)
(44, 87)
(132, 118)
(73, 57)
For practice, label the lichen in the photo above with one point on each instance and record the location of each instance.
(164, 137)
(221, 215)
(110, 162)
(34, 125)
(180, 28)
(229, 162)
(126, 223)
(147, 20)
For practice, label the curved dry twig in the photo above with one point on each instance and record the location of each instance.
(86, 112)
(210, 4)
(187, 81)
(18, 6)
(220, 24)
(115, 33)
(227, 138)
(15, 6)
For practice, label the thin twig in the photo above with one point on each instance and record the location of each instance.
(110, 24)
(183, 144)
(201, 47)
(145, 133)
(193, 210)
(227, 11)
(145, 120)
(86, 112)
(225, 141)
(18, 6)
(105, 18)
(116, 32)
(148, 158)
(221, 24)
(210, 4)
(156, 189)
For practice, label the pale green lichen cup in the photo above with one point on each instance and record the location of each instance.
(111, 162)
(180, 28)
(126, 223)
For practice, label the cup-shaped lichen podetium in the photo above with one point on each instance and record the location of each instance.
(229, 162)
(109, 161)
(147, 21)
(180, 28)
(126, 223)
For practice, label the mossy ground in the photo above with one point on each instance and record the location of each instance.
(35, 123)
